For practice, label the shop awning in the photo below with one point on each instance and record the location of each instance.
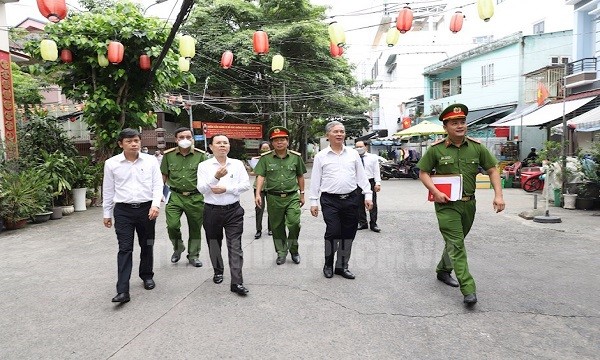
(521, 110)
(587, 117)
(546, 113)
(590, 129)
(475, 116)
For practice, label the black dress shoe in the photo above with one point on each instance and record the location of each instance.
(362, 227)
(149, 284)
(196, 262)
(280, 260)
(270, 233)
(239, 289)
(121, 298)
(258, 235)
(328, 272)
(447, 279)
(470, 299)
(218, 278)
(175, 257)
(345, 273)
(375, 228)
(296, 258)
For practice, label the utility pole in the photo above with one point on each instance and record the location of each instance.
(284, 108)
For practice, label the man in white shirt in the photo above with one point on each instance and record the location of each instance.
(222, 180)
(132, 191)
(371, 165)
(337, 170)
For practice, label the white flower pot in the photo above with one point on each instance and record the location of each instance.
(569, 201)
(79, 199)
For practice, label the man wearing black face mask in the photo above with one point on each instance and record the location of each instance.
(179, 168)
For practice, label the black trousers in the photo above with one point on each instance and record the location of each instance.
(228, 218)
(340, 213)
(362, 212)
(130, 220)
(260, 211)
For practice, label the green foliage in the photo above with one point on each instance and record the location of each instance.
(58, 167)
(42, 133)
(116, 96)
(26, 87)
(552, 151)
(317, 86)
(82, 172)
(22, 194)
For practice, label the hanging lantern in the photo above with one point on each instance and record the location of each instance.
(184, 64)
(226, 59)
(392, 36)
(336, 34)
(66, 56)
(115, 52)
(277, 63)
(456, 22)
(53, 10)
(145, 63)
(48, 50)
(102, 60)
(187, 46)
(335, 51)
(260, 42)
(404, 20)
(485, 8)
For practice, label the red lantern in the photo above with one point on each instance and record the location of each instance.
(53, 10)
(145, 63)
(260, 42)
(335, 51)
(404, 20)
(226, 59)
(115, 52)
(66, 56)
(456, 22)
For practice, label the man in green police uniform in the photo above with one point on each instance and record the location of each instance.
(458, 154)
(179, 167)
(284, 172)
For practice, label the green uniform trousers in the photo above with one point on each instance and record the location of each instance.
(455, 220)
(193, 207)
(284, 212)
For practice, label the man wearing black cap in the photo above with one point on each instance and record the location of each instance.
(283, 171)
(454, 155)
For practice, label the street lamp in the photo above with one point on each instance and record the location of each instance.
(151, 5)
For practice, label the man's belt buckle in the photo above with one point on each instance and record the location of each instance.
(186, 193)
(344, 196)
(465, 198)
(135, 205)
(283, 195)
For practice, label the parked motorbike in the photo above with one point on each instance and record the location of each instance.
(403, 169)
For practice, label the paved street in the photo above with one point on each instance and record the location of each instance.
(538, 290)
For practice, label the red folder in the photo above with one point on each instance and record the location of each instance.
(451, 185)
(445, 188)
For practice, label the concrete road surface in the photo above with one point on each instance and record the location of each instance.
(538, 289)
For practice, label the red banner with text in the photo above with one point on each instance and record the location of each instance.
(233, 131)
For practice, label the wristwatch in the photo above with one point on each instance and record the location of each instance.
(301, 192)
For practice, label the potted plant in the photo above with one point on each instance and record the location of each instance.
(81, 178)
(58, 167)
(21, 196)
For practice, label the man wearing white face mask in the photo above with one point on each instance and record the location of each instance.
(371, 165)
(179, 168)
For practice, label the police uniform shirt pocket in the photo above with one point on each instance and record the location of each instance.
(445, 165)
(470, 164)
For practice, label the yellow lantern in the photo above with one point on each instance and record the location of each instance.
(277, 63)
(184, 64)
(485, 8)
(49, 50)
(336, 34)
(187, 46)
(392, 36)
(102, 60)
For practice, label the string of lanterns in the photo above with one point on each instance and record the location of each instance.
(56, 10)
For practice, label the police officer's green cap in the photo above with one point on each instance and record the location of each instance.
(454, 111)
(278, 131)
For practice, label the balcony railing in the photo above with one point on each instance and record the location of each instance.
(582, 65)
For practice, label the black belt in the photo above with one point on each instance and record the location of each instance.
(340, 196)
(223, 207)
(185, 193)
(468, 198)
(282, 193)
(134, 205)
